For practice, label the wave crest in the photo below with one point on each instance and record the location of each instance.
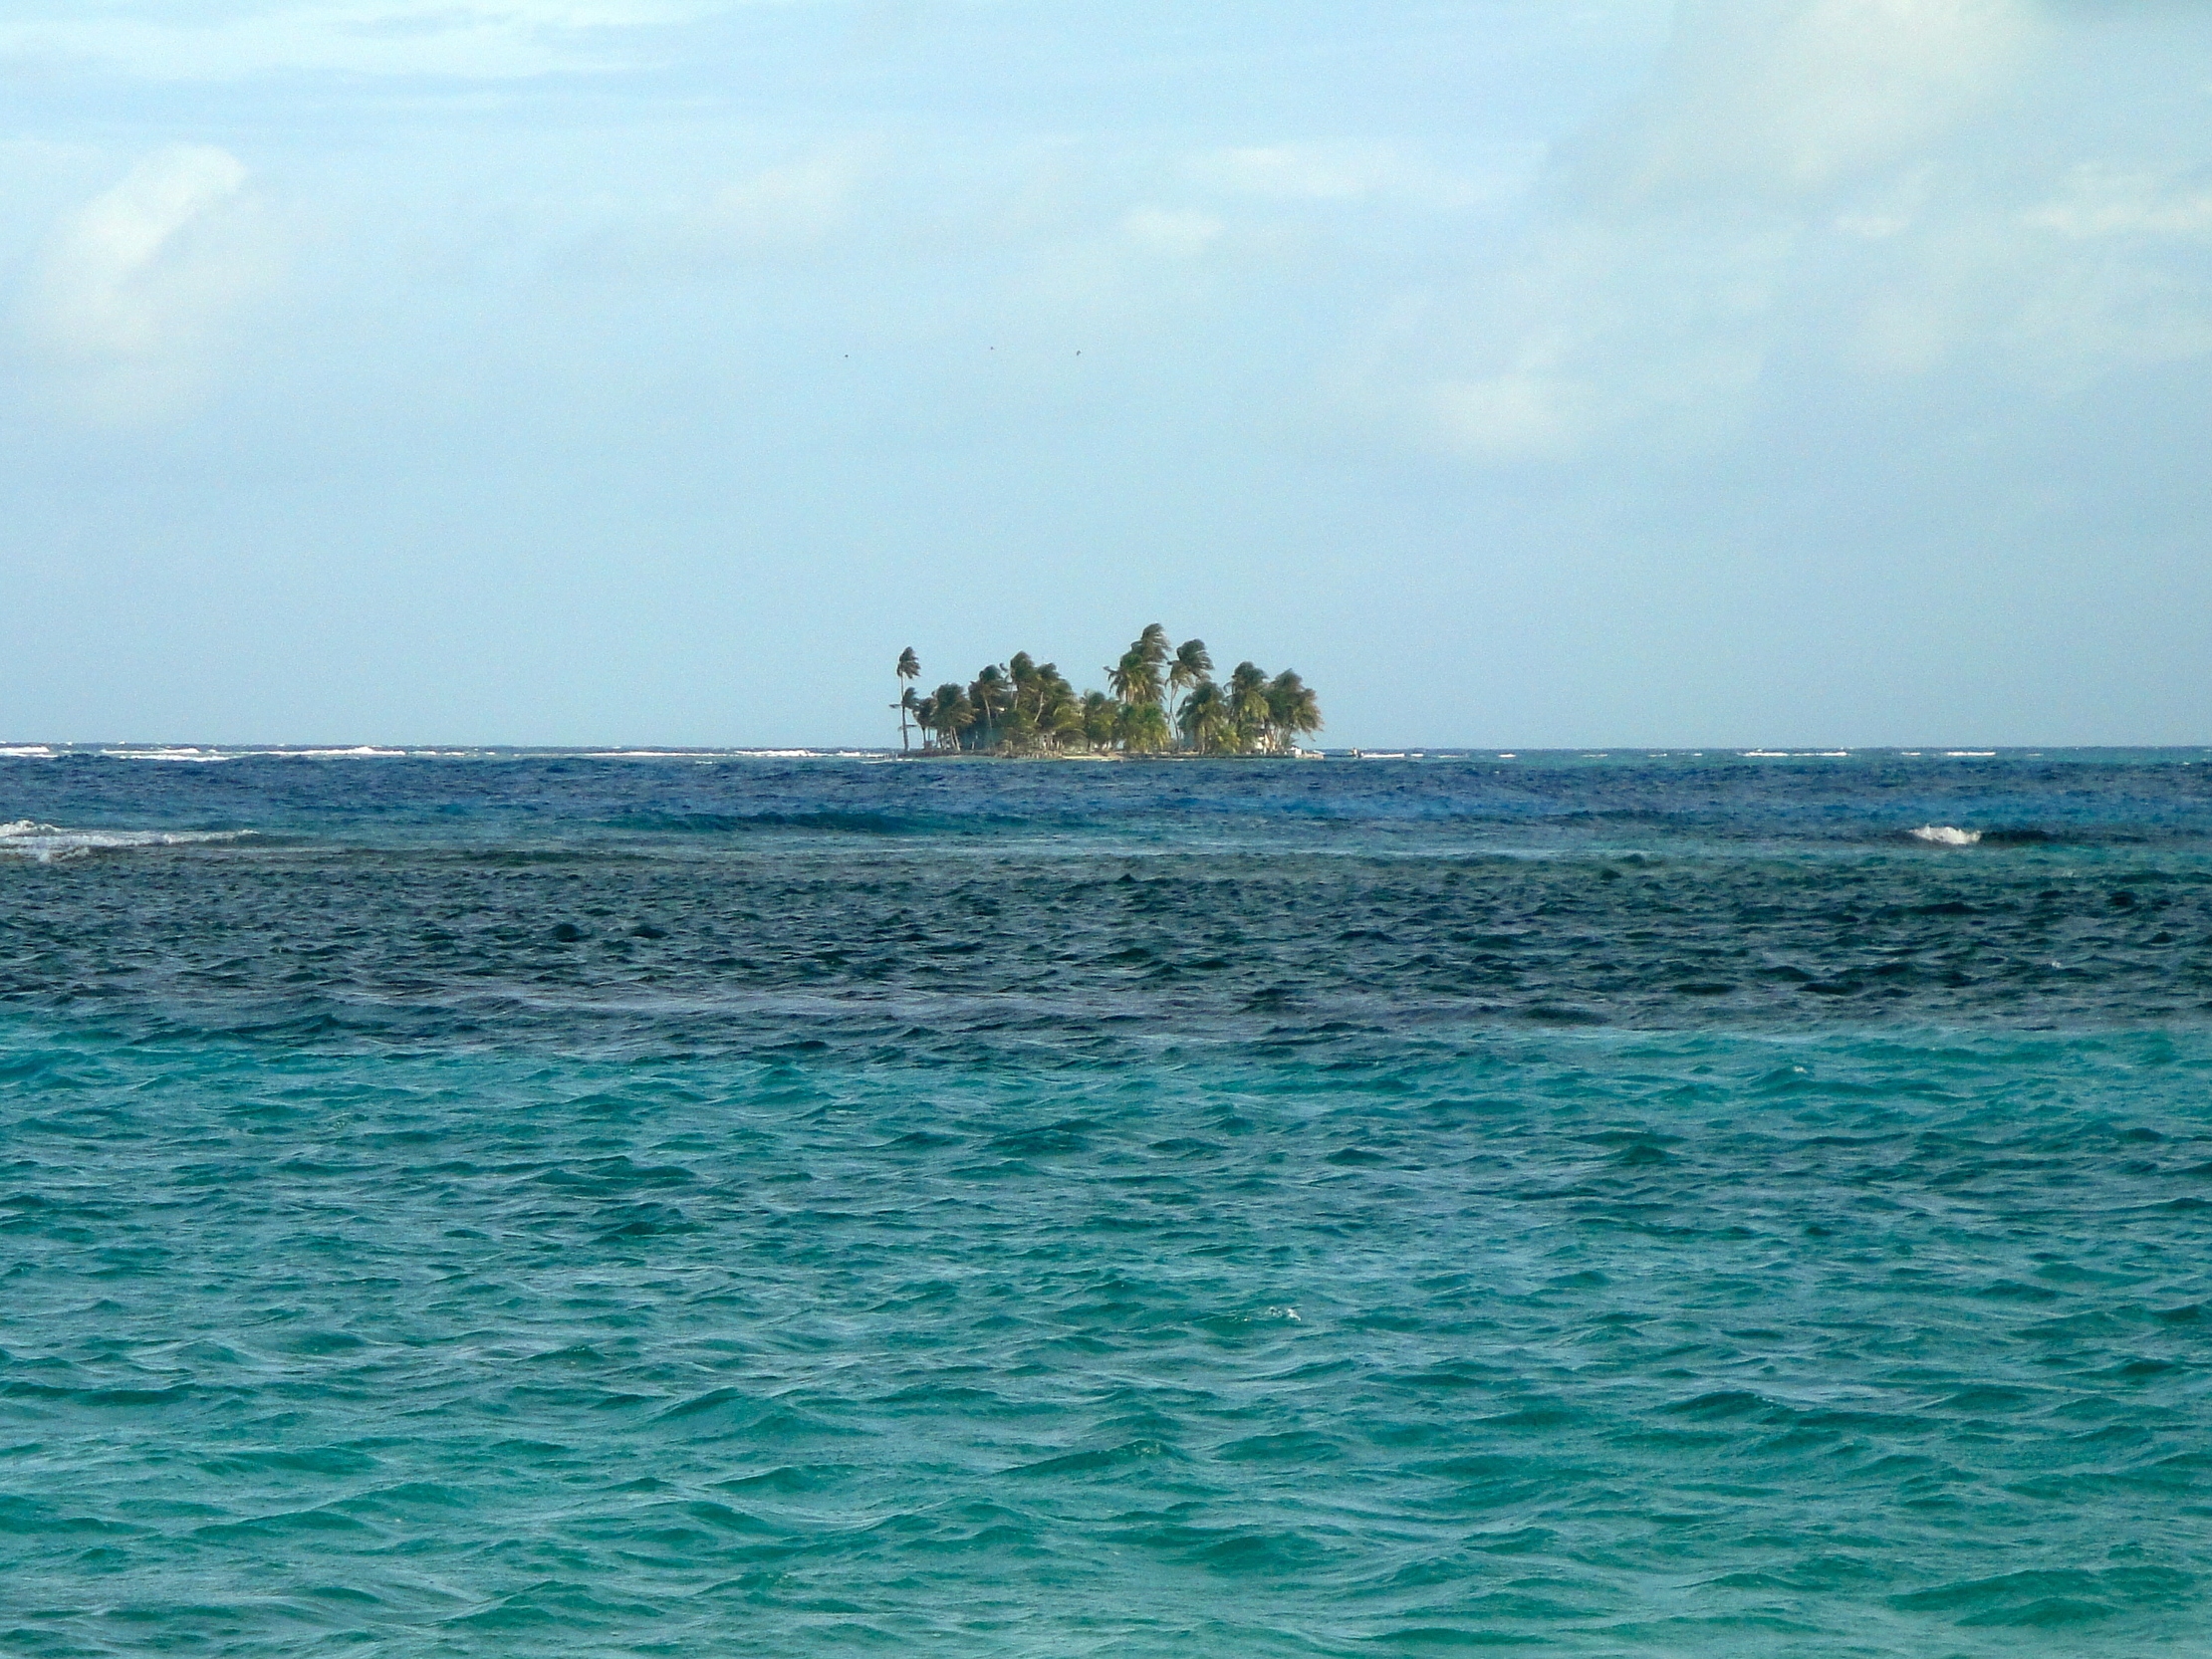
(46, 843)
(1945, 835)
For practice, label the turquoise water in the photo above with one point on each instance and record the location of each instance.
(549, 1206)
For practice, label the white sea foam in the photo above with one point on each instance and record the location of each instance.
(1969, 754)
(26, 752)
(45, 843)
(1944, 834)
(166, 755)
(360, 751)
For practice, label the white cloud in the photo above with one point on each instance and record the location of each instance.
(1180, 232)
(786, 212)
(2096, 201)
(1524, 412)
(1778, 98)
(134, 288)
(1854, 187)
(795, 204)
(1600, 324)
(1348, 171)
(466, 39)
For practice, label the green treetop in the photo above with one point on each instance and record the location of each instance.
(1159, 698)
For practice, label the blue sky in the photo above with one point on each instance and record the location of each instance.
(1522, 371)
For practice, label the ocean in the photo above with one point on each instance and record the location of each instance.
(488, 1203)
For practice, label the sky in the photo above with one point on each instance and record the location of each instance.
(1524, 372)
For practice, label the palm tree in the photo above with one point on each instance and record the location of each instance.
(1054, 704)
(1020, 668)
(1204, 717)
(1157, 691)
(910, 668)
(1293, 709)
(991, 695)
(954, 715)
(1125, 676)
(1137, 678)
(1142, 728)
(1191, 667)
(1065, 722)
(1248, 706)
(1099, 715)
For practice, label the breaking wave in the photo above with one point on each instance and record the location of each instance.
(47, 844)
(1944, 834)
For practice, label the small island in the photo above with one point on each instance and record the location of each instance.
(1160, 699)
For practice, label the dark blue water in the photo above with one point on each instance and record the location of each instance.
(555, 1204)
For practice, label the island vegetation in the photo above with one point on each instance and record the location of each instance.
(1160, 698)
